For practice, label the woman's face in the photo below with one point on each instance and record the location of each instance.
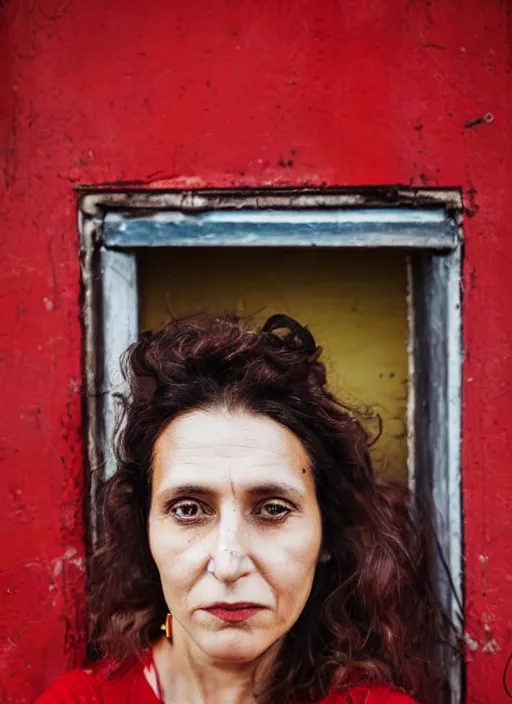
(235, 531)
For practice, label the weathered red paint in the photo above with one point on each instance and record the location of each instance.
(235, 93)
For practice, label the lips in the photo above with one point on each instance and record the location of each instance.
(234, 613)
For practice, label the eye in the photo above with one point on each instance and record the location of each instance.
(274, 510)
(187, 511)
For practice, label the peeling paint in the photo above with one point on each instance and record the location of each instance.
(471, 643)
(491, 646)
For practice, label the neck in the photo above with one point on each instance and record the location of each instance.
(188, 678)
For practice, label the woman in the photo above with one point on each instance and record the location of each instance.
(246, 521)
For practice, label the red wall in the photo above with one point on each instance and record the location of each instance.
(234, 93)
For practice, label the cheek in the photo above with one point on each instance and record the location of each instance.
(177, 557)
(291, 560)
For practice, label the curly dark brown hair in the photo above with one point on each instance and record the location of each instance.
(373, 614)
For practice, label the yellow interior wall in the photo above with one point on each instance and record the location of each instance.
(354, 303)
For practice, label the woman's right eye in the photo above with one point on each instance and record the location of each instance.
(187, 510)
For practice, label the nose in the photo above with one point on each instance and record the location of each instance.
(230, 560)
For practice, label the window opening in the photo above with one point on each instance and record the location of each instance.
(120, 231)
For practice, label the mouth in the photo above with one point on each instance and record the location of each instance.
(234, 613)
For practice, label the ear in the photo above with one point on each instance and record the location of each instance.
(324, 557)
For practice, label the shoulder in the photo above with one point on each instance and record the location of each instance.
(104, 683)
(75, 686)
(376, 694)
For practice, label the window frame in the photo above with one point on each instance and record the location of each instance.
(424, 223)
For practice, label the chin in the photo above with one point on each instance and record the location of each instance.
(237, 647)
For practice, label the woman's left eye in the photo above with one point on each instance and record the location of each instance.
(274, 510)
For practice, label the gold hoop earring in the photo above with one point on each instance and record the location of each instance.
(167, 627)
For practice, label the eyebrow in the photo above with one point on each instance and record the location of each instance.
(267, 489)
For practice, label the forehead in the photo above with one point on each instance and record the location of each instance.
(227, 442)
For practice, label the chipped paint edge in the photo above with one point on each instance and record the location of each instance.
(88, 228)
(95, 201)
(120, 328)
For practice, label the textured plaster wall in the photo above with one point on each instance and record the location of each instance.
(232, 93)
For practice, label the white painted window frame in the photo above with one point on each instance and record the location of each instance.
(424, 223)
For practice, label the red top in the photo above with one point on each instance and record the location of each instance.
(131, 686)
